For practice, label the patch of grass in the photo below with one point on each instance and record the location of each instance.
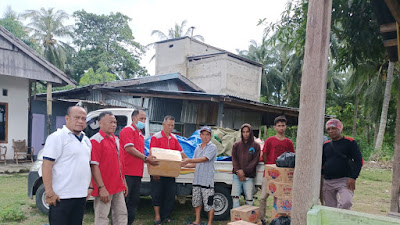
(373, 190)
(374, 174)
(11, 213)
(372, 195)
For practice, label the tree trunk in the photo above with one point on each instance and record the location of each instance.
(385, 107)
(307, 176)
(394, 203)
(376, 130)
(354, 133)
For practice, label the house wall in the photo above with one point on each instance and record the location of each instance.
(243, 79)
(209, 74)
(226, 75)
(219, 74)
(17, 100)
(171, 56)
(58, 109)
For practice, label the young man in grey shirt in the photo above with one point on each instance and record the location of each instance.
(203, 182)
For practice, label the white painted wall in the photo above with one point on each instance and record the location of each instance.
(17, 99)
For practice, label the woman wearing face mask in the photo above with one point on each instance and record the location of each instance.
(132, 150)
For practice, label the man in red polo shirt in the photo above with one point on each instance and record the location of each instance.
(163, 189)
(109, 182)
(132, 149)
(273, 147)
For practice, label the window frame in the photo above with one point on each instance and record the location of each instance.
(6, 124)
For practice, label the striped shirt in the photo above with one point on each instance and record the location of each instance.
(204, 173)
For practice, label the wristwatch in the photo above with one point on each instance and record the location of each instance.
(145, 158)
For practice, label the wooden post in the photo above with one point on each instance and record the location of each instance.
(220, 114)
(394, 204)
(306, 184)
(49, 107)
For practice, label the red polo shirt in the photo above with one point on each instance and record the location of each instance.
(159, 140)
(105, 154)
(131, 136)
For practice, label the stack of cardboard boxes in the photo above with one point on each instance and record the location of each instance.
(245, 214)
(280, 185)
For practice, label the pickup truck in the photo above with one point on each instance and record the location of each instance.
(222, 177)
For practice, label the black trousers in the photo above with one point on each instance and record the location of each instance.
(163, 194)
(133, 198)
(67, 212)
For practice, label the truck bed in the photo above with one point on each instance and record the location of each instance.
(223, 174)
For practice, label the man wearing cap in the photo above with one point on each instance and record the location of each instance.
(203, 182)
(341, 163)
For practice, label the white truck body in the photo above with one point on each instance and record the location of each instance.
(223, 171)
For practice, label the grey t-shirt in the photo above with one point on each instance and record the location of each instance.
(204, 173)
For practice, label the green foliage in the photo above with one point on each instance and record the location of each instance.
(12, 23)
(47, 26)
(291, 133)
(100, 76)
(11, 213)
(106, 39)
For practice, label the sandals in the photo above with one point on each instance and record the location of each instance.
(157, 222)
(168, 220)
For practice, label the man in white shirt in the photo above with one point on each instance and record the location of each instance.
(66, 170)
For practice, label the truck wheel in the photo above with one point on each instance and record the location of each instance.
(222, 203)
(41, 199)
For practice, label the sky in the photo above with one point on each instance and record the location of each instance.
(225, 24)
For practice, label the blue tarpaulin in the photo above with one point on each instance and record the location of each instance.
(188, 145)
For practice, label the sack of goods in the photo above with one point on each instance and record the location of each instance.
(282, 220)
(286, 159)
(169, 162)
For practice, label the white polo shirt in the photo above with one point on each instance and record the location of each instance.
(71, 170)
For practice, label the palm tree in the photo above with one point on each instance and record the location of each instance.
(385, 106)
(47, 26)
(176, 32)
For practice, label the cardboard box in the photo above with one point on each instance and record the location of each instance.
(247, 213)
(240, 222)
(278, 189)
(275, 214)
(282, 204)
(170, 163)
(279, 174)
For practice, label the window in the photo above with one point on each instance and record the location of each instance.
(3, 122)
(5, 92)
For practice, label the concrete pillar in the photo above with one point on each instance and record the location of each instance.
(49, 101)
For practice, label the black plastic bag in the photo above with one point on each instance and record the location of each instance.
(282, 220)
(287, 159)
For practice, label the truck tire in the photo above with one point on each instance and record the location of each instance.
(222, 203)
(41, 200)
